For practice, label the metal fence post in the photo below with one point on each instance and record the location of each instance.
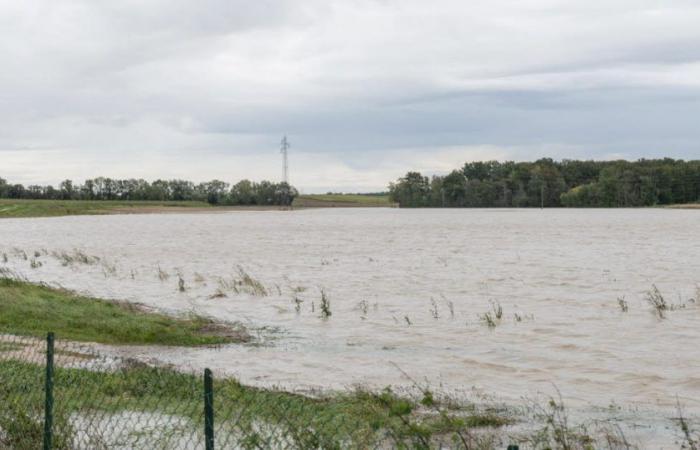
(48, 402)
(208, 410)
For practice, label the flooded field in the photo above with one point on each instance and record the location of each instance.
(511, 303)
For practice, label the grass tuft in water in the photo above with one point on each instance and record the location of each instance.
(622, 303)
(325, 305)
(657, 301)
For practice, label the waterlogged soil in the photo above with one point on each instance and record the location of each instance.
(411, 292)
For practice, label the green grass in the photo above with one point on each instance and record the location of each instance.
(53, 208)
(245, 417)
(342, 200)
(32, 310)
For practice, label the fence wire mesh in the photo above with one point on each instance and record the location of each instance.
(106, 402)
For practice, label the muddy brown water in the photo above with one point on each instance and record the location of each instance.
(408, 290)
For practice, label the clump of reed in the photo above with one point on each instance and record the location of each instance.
(181, 283)
(434, 309)
(622, 303)
(35, 263)
(108, 269)
(254, 286)
(657, 301)
(243, 283)
(6, 272)
(492, 318)
(690, 440)
(162, 274)
(451, 308)
(325, 305)
(218, 294)
(363, 307)
(297, 304)
(75, 257)
(558, 431)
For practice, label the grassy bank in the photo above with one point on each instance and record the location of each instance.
(32, 310)
(342, 200)
(53, 208)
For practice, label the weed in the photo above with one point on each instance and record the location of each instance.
(434, 309)
(690, 442)
(181, 283)
(253, 286)
(488, 320)
(325, 305)
(218, 294)
(407, 319)
(492, 318)
(558, 432)
(4, 258)
(497, 309)
(363, 306)
(297, 304)
(657, 301)
(624, 307)
(162, 274)
(35, 263)
(109, 269)
(518, 317)
(37, 254)
(75, 257)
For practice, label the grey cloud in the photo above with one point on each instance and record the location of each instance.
(369, 87)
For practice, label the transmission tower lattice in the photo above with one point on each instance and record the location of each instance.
(285, 146)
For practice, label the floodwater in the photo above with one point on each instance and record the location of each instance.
(408, 290)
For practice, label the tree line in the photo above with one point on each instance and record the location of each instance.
(216, 192)
(550, 183)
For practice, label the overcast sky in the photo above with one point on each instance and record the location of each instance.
(365, 90)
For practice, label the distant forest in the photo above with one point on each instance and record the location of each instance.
(549, 183)
(216, 192)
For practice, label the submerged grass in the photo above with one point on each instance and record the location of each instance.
(30, 310)
(246, 417)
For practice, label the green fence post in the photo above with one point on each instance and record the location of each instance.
(513, 447)
(48, 403)
(208, 410)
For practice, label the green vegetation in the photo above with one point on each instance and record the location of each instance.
(215, 192)
(343, 200)
(550, 183)
(30, 310)
(52, 208)
(246, 417)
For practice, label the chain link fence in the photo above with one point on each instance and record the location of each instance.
(65, 395)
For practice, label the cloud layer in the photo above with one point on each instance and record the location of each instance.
(365, 89)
